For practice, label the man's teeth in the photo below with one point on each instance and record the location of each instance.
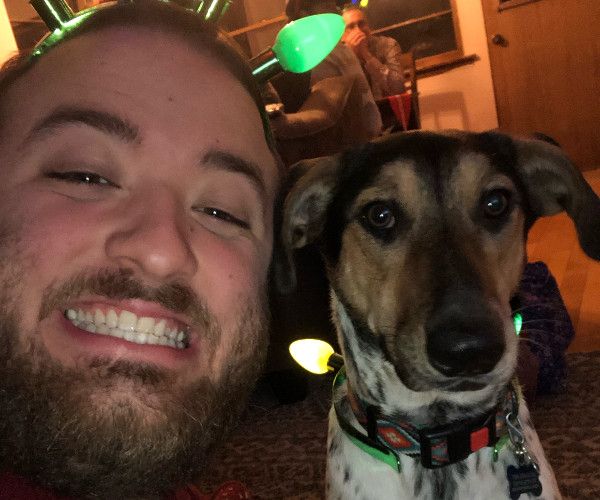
(128, 326)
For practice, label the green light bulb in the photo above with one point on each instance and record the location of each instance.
(302, 44)
(518, 322)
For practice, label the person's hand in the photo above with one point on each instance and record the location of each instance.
(357, 41)
(278, 123)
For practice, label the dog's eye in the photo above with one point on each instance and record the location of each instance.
(496, 203)
(379, 215)
(383, 219)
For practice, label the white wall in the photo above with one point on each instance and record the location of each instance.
(8, 45)
(462, 98)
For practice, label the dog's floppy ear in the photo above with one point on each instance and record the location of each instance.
(304, 212)
(554, 184)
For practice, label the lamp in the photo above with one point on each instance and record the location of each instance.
(299, 46)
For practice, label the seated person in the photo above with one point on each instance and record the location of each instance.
(338, 97)
(378, 55)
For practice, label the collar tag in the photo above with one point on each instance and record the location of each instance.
(523, 479)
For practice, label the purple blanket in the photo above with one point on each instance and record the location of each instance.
(547, 327)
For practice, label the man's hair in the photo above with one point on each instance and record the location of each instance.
(350, 6)
(163, 17)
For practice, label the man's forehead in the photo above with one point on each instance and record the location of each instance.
(119, 45)
(101, 69)
(353, 14)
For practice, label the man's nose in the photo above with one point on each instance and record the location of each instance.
(152, 236)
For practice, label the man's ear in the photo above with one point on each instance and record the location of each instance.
(303, 214)
(554, 184)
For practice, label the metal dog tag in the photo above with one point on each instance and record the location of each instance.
(526, 477)
(523, 479)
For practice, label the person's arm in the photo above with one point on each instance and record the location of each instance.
(333, 65)
(321, 111)
(387, 76)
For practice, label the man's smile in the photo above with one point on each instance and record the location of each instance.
(136, 329)
(128, 326)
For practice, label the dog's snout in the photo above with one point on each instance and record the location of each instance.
(462, 344)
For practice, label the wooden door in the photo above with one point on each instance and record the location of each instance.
(545, 58)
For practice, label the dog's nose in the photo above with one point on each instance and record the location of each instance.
(464, 346)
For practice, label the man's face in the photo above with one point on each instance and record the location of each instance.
(136, 194)
(355, 20)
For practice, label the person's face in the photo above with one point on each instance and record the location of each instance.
(136, 198)
(355, 20)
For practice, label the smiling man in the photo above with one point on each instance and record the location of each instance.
(136, 203)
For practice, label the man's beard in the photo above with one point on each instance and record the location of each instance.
(145, 440)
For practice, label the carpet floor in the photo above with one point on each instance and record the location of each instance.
(278, 451)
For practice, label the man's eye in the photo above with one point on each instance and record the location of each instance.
(224, 216)
(76, 177)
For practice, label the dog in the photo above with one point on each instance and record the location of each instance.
(423, 238)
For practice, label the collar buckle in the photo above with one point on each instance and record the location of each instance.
(450, 444)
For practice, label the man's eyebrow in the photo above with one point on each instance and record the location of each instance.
(234, 163)
(105, 122)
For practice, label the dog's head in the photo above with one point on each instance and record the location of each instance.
(423, 236)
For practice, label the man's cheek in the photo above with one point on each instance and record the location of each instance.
(234, 274)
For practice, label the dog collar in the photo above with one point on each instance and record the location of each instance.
(437, 447)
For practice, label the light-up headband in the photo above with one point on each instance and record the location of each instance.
(299, 46)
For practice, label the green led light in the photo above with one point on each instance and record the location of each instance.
(265, 67)
(59, 33)
(518, 322)
(55, 13)
(213, 10)
(302, 44)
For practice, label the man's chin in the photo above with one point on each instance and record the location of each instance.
(115, 438)
(137, 400)
(114, 429)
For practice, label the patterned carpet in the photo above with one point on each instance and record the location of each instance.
(278, 450)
